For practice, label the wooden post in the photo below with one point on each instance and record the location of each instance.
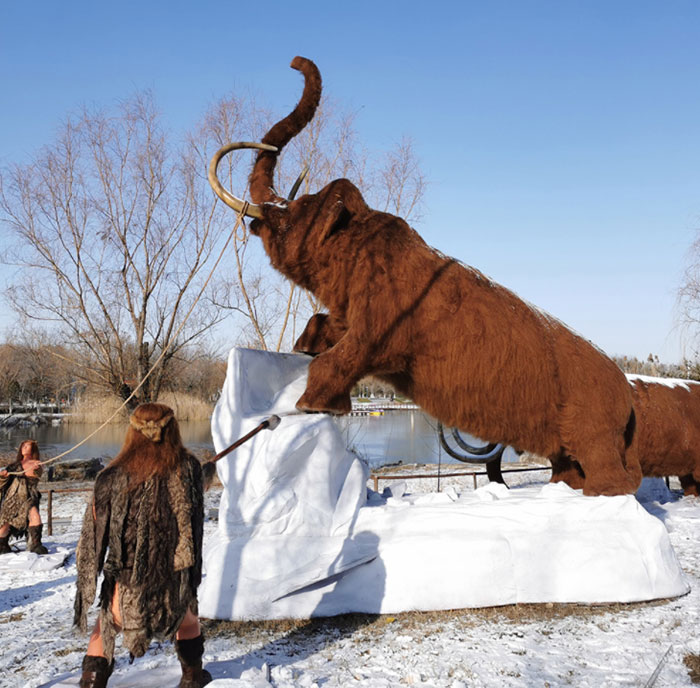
(375, 477)
(49, 508)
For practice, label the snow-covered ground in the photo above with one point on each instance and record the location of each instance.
(517, 645)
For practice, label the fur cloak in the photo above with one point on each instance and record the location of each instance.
(149, 540)
(18, 494)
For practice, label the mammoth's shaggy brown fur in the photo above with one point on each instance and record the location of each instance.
(667, 441)
(469, 351)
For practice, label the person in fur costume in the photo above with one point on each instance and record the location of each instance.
(19, 499)
(143, 531)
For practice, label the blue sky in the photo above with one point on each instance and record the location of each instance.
(561, 139)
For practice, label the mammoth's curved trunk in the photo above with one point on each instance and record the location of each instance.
(284, 131)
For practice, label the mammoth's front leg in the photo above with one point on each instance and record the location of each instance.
(333, 374)
(321, 333)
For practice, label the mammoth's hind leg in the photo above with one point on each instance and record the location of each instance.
(332, 376)
(567, 470)
(597, 435)
(321, 333)
(691, 487)
(603, 463)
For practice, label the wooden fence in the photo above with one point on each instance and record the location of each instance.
(375, 477)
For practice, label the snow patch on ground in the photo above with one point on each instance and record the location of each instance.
(544, 529)
(519, 645)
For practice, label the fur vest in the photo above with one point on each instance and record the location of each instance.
(149, 540)
(18, 494)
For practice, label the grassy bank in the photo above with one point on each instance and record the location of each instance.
(96, 409)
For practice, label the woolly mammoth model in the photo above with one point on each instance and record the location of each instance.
(667, 440)
(469, 351)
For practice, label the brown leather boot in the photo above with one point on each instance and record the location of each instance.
(96, 672)
(5, 545)
(34, 540)
(190, 652)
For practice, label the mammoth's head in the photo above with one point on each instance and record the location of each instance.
(298, 234)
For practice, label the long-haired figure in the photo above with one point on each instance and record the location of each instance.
(19, 499)
(143, 531)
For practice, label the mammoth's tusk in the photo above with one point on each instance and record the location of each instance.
(228, 198)
(297, 183)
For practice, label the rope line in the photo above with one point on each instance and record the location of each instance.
(234, 232)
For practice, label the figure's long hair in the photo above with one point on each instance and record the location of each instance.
(154, 449)
(35, 450)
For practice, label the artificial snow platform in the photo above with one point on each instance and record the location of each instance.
(300, 535)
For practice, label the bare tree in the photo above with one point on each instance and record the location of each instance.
(116, 228)
(35, 369)
(401, 185)
(688, 302)
(113, 234)
(200, 375)
(10, 376)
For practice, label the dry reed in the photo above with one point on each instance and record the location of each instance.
(95, 409)
(187, 406)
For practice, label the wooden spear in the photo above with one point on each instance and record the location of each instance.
(208, 468)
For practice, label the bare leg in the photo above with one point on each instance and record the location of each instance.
(34, 517)
(5, 539)
(96, 668)
(189, 628)
(95, 647)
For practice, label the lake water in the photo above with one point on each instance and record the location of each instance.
(396, 436)
(54, 439)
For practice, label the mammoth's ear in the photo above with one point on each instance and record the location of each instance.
(343, 201)
(333, 217)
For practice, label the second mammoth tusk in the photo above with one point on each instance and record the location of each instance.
(297, 183)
